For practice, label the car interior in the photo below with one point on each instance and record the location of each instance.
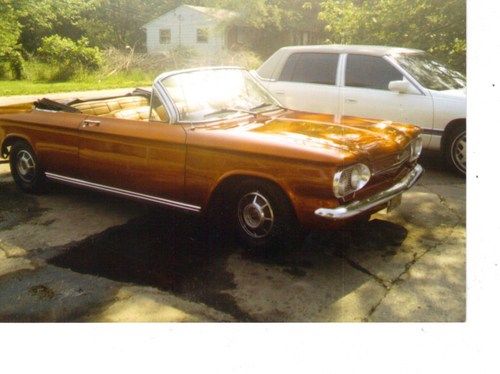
(129, 107)
(134, 106)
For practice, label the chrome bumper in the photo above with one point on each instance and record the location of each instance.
(359, 206)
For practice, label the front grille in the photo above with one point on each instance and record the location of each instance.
(391, 163)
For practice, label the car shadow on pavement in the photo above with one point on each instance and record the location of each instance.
(172, 252)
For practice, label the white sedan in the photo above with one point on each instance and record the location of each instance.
(386, 83)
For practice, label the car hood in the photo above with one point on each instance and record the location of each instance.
(311, 136)
(459, 94)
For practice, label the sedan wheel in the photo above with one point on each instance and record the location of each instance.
(456, 150)
(459, 152)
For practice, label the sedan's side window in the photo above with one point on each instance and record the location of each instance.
(318, 68)
(370, 72)
(158, 111)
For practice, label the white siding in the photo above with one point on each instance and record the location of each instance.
(183, 23)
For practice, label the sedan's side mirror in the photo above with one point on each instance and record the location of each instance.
(399, 86)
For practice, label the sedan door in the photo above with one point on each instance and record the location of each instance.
(365, 93)
(134, 155)
(308, 82)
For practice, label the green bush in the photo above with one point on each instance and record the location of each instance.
(4, 70)
(68, 58)
(12, 65)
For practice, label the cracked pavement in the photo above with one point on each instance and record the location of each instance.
(73, 255)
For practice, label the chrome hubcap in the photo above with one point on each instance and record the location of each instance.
(25, 166)
(255, 215)
(460, 152)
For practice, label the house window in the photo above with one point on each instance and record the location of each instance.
(202, 35)
(165, 36)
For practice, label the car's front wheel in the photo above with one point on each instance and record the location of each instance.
(25, 168)
(264, 217)
(456, 150)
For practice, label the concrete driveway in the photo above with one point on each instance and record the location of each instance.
(73, 255)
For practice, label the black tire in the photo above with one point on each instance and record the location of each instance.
(454, 149)
(253, 204)
(26, 169)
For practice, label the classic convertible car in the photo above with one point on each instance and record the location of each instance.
(214, 141)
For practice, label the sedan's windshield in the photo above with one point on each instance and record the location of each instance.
(431, 74)
(205, 95)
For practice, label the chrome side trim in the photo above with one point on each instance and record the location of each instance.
(119, 191)
(359, 206)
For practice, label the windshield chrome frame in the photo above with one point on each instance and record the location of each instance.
(172, 108)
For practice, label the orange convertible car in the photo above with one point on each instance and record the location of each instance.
(214, 140)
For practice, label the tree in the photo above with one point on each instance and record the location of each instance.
(41, 18)
(274, 21)
(117, 23)
(9, 34)
(437, 26)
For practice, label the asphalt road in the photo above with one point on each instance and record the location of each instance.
(73, 255)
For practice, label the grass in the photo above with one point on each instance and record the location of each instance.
(120, 71)
(83, 83)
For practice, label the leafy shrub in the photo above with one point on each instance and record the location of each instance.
(67, 57)
(12, 65)
(3, 70)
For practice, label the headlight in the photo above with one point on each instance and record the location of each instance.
(350, 179)
(416, 148)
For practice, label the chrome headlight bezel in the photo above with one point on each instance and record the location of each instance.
(350, 179)
(416, 148)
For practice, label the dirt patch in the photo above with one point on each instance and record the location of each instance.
(16, 207)
(42, 292)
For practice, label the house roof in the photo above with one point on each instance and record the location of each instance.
(216, 13)
(221, 14)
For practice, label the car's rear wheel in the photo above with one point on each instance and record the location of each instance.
(456, 150)
(264, 217)
(25, 168)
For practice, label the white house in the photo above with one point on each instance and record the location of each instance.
(206, 30)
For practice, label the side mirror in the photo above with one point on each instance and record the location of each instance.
(399, 86)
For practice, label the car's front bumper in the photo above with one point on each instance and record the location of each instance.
(359, 206)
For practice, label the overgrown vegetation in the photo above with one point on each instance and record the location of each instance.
(96, 41)
(437, 26)
(68, 57)
(117, 69)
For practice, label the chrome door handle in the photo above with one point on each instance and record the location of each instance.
(90, 123)
(351, 100)
(279, 92)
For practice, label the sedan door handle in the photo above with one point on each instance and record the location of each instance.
(351, 100)
(279, 92)
(91, 123)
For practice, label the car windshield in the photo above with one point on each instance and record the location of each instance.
(211, 94)
(431, 74)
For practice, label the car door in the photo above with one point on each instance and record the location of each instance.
(56, 136)
(134, 155)
(308, 82)
(365, 93)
